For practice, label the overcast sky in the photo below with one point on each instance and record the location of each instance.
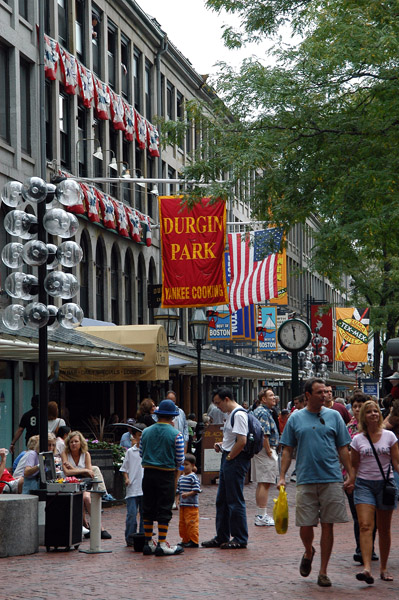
(197, 32)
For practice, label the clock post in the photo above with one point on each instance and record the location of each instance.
(294, 374)
(294, 335)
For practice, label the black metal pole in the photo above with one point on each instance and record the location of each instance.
(42, 236)
(199, 386)
(294, 374)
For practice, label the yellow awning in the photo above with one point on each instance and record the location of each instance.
(151, 340)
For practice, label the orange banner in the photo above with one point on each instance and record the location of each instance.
(192, 246)
(282, 298)
(352, 331)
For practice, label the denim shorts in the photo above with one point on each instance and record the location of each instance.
(369, 491)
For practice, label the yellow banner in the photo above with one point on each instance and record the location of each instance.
(282, 297)
(352, 333)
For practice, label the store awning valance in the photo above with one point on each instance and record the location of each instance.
(150, 340)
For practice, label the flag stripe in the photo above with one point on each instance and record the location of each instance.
(253, 281)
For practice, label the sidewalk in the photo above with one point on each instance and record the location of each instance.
(268, 568)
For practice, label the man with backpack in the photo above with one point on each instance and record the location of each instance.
(231, 516)
(264, 465)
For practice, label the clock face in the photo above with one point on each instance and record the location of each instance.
(294, 334)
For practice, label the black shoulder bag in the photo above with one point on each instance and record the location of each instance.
(389, 490)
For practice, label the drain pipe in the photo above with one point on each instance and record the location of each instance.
(161, 50)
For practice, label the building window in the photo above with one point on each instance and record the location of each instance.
(147, 90)
(96, 40)
(49, 121)
(23, 9)
(125, 64)
(84, 275)
(100, 282)
(4, 95)
(63, 23)
(82, 137)
(114, 287)
(25, 71)
(170, 108)
(140, 292)
(65, 129)
(162, 95)
(180, 113)
(111, 54)
(138, 189)
(79, 29)
(137, 80)
(128, 274)
(150, 196)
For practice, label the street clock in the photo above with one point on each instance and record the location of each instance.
(294, 335)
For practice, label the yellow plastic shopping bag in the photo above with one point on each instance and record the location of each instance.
(280, 511)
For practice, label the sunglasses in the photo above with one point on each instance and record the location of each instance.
(322, 421)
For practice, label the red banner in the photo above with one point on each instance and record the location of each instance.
(192, 246)
(323, 320)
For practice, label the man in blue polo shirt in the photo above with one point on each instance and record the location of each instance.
(321, 439)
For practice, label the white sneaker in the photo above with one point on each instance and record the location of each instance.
(149, 548)
(85, 530)
(163, 549)
(263, 521)
(293, 477)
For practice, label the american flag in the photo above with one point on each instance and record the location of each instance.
(253, 263)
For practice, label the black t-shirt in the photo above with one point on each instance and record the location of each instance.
(30, 421)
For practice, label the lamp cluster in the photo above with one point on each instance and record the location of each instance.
(313, 362)
(34, 253)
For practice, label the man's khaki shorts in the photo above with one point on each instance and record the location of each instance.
(324, 502)
(264, 469)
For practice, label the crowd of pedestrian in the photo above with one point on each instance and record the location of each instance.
(340, 453)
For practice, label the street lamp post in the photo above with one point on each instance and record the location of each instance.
(199, 327)
(169, 318)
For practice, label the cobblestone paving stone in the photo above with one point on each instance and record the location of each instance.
(268, 568)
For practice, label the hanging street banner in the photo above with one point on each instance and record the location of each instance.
(192, 247)
(324, 322)
(266, 329)
(352, 334)
(282, 295)
(219, 327)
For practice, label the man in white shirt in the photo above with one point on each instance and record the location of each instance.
(231, 516)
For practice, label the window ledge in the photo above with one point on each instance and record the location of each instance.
(6, 7)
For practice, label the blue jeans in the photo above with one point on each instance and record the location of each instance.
(134, 504)
(231, 515)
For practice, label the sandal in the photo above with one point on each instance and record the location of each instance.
(232, 545)
(386, 576)
(306, 564)
(366, 577)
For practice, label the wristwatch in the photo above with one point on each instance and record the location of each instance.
(228, 457)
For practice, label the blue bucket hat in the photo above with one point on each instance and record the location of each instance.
(167, 408)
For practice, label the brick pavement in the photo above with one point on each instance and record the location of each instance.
(268, 568)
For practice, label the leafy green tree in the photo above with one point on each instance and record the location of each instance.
(321, 129)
